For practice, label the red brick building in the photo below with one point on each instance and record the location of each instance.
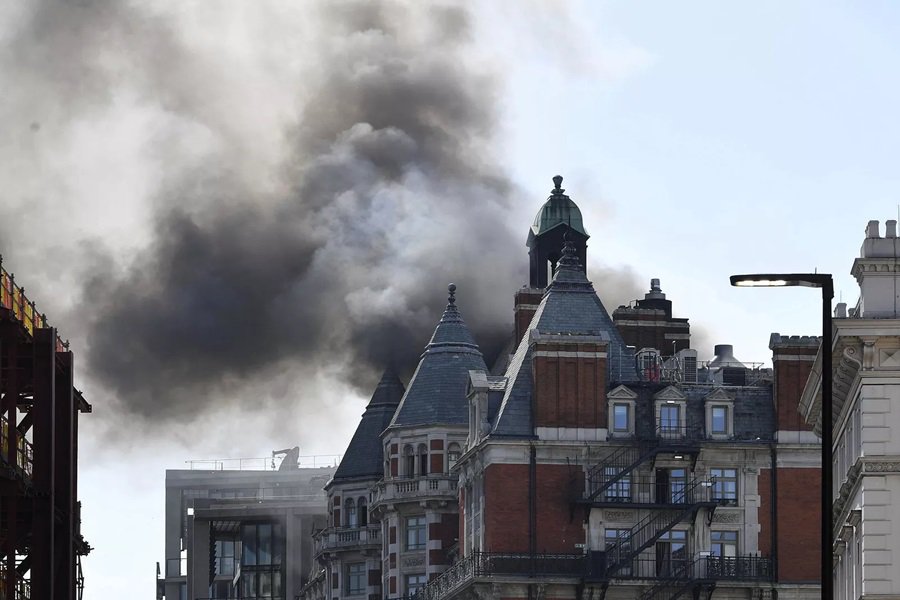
(572, 471)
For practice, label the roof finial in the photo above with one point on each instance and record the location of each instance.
(451, 300)
(557, 181)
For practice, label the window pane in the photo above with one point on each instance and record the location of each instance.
(719, 419)
(249, 545)
(620, 417)
(265, 544)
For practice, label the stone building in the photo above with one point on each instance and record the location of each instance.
(575, 470)
(866, 412)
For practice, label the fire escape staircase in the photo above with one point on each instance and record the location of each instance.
(645, 533)
(679, 582)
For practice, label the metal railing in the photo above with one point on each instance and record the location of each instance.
(652, 490)
(13, 297)
(426, 485)
(24, 449)
(314, 461)
(754, 568)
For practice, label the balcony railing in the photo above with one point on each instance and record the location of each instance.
(427, 485)
(668, 570)
(261, 464)
(649, 490)
(339, 538)
(13, 298)
(24, 449)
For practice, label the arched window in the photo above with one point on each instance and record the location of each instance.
(423, 460)
(363, 511)
(409, 461)
(350, 516)
(453, 454)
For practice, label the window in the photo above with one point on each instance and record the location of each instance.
(423, 460)
(671, 554)
(182, 591)
(453, 454)
(415, 533)
(261, 584)
(363, 511)
(409, 461)
(719, 420)
(356, 578)
(618, 546)
(620, 418)
(724, 485)
(225, 557)
(670, 486)
(723, 544)
(414, 583)
(670, 419)
(262, 544)
(620, 490)
(350, 516)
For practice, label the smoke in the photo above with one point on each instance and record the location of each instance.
(244, 202)
(336, 248)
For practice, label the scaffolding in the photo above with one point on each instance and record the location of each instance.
(40, 517)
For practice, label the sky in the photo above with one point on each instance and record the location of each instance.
(239, 213)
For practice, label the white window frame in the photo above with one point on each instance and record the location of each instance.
(681, 427)
(729, 420)
(737, 486)
(423, 527)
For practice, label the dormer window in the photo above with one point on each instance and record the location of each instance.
(719, 415)
(671, 412)
(621, 412)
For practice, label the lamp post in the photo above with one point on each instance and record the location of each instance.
(823, 281)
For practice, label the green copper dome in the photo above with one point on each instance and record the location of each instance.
(558, 210)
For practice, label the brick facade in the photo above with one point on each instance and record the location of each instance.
(570, 384)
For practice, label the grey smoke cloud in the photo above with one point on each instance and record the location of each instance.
(303, 198)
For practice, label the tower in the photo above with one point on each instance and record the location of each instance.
(558, 215)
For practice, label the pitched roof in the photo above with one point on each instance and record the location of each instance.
(570, 307)
(362, 458)
(437, 390)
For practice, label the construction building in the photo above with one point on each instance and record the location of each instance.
(242, 528)
(599, 459)
(40, 515)
(866, 412)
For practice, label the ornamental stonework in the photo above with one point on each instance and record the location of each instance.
(726, 517)
(882, 467)
(619, 515)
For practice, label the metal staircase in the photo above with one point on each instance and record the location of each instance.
(683, 502)
(618, 465)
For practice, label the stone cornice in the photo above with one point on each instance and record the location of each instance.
(862, 467)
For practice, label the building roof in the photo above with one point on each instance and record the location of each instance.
(437, 391)
(558, 210)
(570, 307)
(363, 456)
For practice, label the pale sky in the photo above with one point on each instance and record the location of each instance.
(700, 139)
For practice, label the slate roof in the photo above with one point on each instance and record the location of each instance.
(362, 459)
(437, 391)
(570, 307)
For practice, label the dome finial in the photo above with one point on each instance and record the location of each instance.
(557, 182)
(451, 300)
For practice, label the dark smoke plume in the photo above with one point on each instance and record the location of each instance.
(388, 191)
(302, 201)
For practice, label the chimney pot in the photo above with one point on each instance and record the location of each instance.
(872, 230)
(890, 228)
(840, 310)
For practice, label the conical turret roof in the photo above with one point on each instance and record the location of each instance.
(437, 391)
(363, 457)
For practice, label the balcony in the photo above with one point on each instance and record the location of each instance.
(417, 488)
(348, 538)
(674, 569)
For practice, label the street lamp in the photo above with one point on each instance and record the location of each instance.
(824, 281)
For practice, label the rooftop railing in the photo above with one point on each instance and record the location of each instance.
(13, 297)
(315, 461)
(336, 538)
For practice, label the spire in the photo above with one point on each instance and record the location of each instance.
(570, 274)
(389, 390)
(437, 390)
(451, 332)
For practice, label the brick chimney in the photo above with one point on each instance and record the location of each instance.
(792, 359)
(526, 304)
(877, 272)
(569, 381)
